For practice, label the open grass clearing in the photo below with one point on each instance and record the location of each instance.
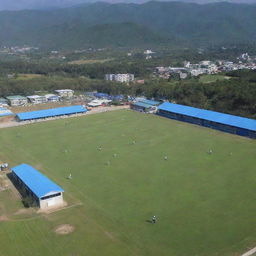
(212, 78)
(28, 76)
(204, 203)
(89, 61)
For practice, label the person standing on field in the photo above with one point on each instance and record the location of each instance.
(153, 220)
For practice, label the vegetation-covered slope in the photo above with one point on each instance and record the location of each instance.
(191, 23)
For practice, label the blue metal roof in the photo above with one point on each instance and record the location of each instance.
(54, 97)
(101, 95)
(150, 102)
(51, 112)
(118, 97)
(236, 121)
(39, 184)
(5, 112)
(141, 104)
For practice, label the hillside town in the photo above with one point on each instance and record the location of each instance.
(244, 61)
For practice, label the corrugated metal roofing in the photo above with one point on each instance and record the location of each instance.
(5, 112)
(3, 100)
(35, 97)
(101, 95)
(51, 112)
(150, 102)
(38, 183)
(64, 90)
(16, 97)
(236, 121)
(141, 104)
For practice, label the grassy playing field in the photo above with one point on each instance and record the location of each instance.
(205, 203)
(89, 61)
(212, 78)
(28, 76)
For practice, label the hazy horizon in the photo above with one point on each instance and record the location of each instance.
(42, 4)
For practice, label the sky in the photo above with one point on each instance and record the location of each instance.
(39, 4)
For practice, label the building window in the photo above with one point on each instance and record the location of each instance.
(51, 196)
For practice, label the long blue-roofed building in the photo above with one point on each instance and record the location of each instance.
(45, 192)
(53, 112)
(224, 122)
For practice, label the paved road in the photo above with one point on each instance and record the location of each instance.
(93, 111)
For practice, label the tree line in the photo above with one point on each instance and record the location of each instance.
(235, 96)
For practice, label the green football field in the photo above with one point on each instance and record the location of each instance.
(205, 203)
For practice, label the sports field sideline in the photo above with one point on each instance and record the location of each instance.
(205, 203)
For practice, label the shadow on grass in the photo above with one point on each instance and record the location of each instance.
(27, 200)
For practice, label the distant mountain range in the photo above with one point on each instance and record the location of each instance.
(130, 25)
(47, 4)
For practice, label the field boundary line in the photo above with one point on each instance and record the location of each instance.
(252, 251)
(39, 215)
(133, 252)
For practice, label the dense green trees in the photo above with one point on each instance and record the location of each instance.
(236, 96)
(121, 25)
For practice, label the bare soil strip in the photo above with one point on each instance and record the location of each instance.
(251, 252)
(3, 218)
(64, 229)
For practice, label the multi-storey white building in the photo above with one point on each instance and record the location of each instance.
(122, 78)
(65, 93)
(17, 100)
(36, 99)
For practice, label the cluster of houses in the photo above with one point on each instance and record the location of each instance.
(18, 100)
(206, 67)
(97, 99)
(17, 50)
(92, 99)
(189, 69)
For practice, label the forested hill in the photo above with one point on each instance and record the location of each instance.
(152, 23)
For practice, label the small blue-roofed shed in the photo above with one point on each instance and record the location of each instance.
(144, 105)
(141, 106)
(101, 95)
(5, 112)
(224, 122)
(53, 112)
(45, 192)
(150, 102)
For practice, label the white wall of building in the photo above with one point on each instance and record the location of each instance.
(51, 202)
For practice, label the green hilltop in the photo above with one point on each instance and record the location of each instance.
(152, 23)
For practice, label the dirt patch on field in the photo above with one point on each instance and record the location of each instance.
(24, 211)
(4, 183)
(3, 218)
(64, 229)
